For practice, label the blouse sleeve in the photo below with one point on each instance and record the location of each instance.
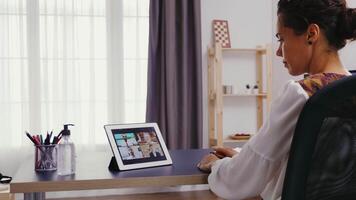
(247, 174)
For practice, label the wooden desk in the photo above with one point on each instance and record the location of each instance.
(92, 173)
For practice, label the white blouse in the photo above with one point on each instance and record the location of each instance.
(259, 168)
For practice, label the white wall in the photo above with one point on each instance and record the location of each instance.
(250, 25)
(348, 57)
(347, 54)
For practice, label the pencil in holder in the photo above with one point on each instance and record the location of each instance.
(45, 158)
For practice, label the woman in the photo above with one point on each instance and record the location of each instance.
(310, 33)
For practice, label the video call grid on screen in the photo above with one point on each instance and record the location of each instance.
(138, 145)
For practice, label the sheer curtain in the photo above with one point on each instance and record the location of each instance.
(71, 61)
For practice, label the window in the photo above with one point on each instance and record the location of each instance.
(135, 57)
(56, 59)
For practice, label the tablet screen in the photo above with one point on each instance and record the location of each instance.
(138, 145)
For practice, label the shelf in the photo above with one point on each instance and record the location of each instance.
(213, 142)
(246, 95)
(261, 50)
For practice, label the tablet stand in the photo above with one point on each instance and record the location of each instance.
(113, 165)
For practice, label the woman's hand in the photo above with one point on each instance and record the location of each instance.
(207, 162)
(219, 152)
(222, 152)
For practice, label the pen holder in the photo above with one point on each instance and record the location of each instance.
(45, 158)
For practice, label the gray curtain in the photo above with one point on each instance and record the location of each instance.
(174, 92)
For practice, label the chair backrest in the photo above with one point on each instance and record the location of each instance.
(322, 159)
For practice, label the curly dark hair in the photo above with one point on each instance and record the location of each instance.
(336, 20)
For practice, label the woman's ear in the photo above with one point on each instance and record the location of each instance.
(312, 33)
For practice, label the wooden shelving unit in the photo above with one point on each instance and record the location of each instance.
(215, 87)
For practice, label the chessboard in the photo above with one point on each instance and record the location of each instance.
(221, 33)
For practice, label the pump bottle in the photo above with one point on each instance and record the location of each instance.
(66, 153)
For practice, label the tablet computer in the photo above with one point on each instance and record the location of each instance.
(137, 145)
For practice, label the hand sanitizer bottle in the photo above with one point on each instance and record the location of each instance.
(66, 153)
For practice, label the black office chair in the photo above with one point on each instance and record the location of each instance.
(322, 159)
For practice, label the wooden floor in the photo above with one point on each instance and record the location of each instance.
(198, 195)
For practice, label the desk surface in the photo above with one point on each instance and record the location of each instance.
(92, 173)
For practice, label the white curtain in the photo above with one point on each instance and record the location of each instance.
(71, 61)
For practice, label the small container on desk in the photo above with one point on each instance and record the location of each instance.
(227, 89)
(45, 158)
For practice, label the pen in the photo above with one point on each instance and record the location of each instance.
(36, 139)
(54, 140)
(46, 141)
(58, 139)
(32, 140)
(50, 136)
